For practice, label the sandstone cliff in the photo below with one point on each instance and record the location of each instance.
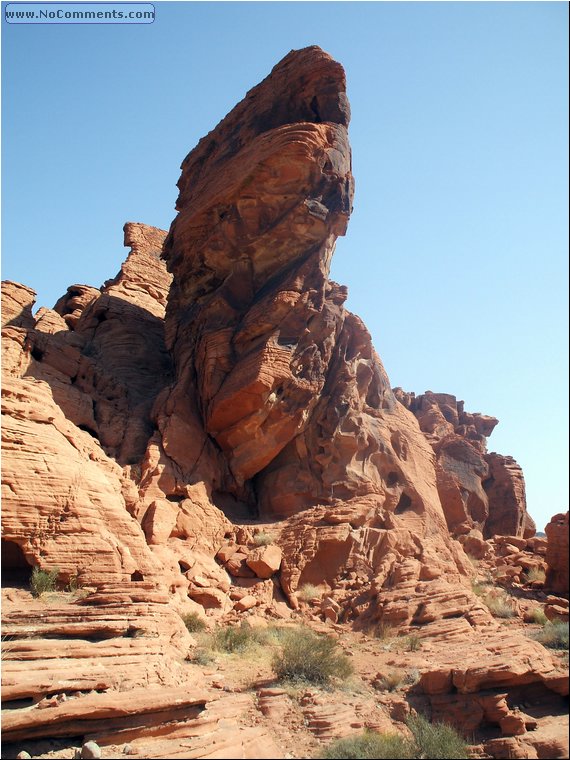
(557, 553)
(217, 387)
(479, 491)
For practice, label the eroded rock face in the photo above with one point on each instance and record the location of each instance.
(150, 422)
(287, 382)
(507, 499)
(557, 554)
(266, 397)
(252, 319)
(479, 491)
(76, 395)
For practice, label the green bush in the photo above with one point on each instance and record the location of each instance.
(43, 581)
(310, 657)
(370, 745)
(194, 622)
(436, 740)
(553, 635)
(432, 741)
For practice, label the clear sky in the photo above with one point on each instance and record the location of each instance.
(456, 254)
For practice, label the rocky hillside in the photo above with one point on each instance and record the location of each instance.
(212, 432)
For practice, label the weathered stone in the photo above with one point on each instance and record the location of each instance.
(557, 554)
(245, 603)
(478, 491)
(90, 751)
(265, 561)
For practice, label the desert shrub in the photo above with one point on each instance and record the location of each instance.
(235, 639)
(391, 679)
(307, 592)
(478, 588)
(535, 575)
(276, 634)
(201, 656)
(436, 740)
(43, 581)
(414, 642)
(553, 635)
(310, 657)
(499, 605)
(370, 745)
(384, 631)
(412, 676)
(539, 617)
(433, 741)
(74, 583)
(194, 622)
(263, 539)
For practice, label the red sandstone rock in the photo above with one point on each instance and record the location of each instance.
(74, 302)
(265, 561)
(17, 303)
(245, 603)
(507, 501)
(478, 491)
(126, 454)
(557, 554)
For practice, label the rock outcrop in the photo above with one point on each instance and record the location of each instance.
(479, 492)
(78, 386)
(557, 554)
(211, 431)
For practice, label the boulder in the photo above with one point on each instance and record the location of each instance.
(265, 561)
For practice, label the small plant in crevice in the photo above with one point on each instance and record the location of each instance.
(263, 538)
(307, 592)
(43, 581)
(432, 741)
(535, 575)
(499, 604)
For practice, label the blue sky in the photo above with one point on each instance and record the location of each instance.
(456, 254)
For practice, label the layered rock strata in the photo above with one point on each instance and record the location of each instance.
(150, 424)
(557, 553)
(480, 492)
(78, 387)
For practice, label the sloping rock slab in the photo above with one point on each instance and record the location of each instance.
(94, 712)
